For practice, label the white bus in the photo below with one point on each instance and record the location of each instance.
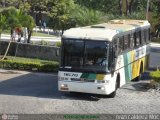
(101, 58)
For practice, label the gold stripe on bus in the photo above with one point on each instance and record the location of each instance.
(100, 77)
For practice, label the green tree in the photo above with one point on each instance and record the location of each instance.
(28, 22)
(17, 18)
(2, 23)
(155, 14)
(19, 4)
(8, 3)
(84, 16)
(38, 7)
(59, 12)
(24, 5)
(106, 6)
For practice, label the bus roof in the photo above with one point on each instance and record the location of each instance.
(105, 31)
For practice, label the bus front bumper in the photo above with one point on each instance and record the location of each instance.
(85, 87)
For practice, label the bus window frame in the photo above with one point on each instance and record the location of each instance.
(137, 39)
(132, 40)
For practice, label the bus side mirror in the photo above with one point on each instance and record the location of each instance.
(112, 69)
(113, 60)
(115, 53)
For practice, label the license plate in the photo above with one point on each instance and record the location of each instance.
(64, 89)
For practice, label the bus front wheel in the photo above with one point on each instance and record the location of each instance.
(117, 84)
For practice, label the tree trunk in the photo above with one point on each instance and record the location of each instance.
(38, 17)
(130, 6)
(127, 7)
(62, 32)
(11, 33)
(0, 35)
(120, 7)
(9, 44)
(29, 35)
(4, 4)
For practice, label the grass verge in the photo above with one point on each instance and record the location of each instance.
(21, 63)
(155, 82)
(41, 34)
(157, 40)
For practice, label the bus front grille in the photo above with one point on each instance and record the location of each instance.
(82, 80)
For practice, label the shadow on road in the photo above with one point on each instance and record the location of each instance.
(42, 86)
(46, 86)
(155, 50)
(141, 86)
(85, 96)
(31, 85)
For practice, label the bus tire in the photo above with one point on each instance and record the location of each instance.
(140, 74)
(117, 85)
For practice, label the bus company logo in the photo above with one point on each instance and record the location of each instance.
(4, 117)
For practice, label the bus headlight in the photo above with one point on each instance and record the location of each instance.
(64, 85)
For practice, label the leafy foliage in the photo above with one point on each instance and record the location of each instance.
(155, 76)
(46, 66)
(38, 5)
(17, 18)
(64, 14)
(84, 16)
(58, 44)
(59, 12)
(106, 6)
(8, 3)
(2, 23)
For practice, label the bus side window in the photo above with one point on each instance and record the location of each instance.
(129, 40)
(110, 57)
(140, 37)
(137, 39)
(120, 45)
(147, 35)
(125, 42)
(132, 42)
(143, 37)
(115, 43)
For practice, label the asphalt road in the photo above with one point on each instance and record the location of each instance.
(155, 56)
(36, 93)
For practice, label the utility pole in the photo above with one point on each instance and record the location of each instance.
(4, 3)
(147, 15)
(124, 6)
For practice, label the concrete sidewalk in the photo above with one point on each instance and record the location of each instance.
(34, 39)
(155, 44)
(154, 56)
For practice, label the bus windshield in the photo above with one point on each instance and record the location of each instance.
(85, 55)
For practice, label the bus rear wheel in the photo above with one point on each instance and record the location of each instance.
(140, 74)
